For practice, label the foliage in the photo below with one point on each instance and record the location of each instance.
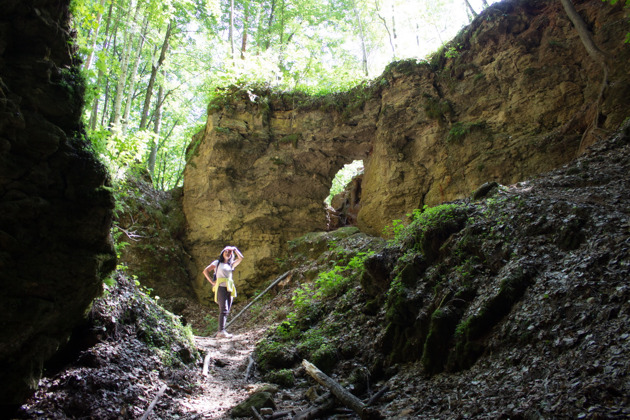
(452, 51)
(459, 130)
(427, 228)
(329, 283)
(437, 108)
(150, 66)
(126, 304)
(343, 177)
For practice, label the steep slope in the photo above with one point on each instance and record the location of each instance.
(442, 320)
(55, 207)
(514, 305)
(508, 98)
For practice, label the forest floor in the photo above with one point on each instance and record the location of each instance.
(562, 352)
(225, 384)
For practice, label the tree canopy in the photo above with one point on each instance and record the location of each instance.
(151, 66)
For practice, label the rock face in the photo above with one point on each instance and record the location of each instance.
(55, 212)
(509, 98)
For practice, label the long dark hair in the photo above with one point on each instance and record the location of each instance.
(229, 261)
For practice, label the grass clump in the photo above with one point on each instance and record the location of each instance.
(460, 130)
(429, 227)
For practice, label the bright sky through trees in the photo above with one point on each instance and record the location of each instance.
(152, 66)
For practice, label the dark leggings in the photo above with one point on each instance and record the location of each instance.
(225, 304)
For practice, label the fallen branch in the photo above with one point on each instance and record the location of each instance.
(206, 362)
(279, 415)
(318, 411)
(276, 281)
(348, 399)
(249, 367)
(377, 396)
(255, 412)
(145, 416)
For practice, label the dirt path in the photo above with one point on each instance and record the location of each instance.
(225, 386)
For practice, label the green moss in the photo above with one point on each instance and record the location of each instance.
(460, 130)
(441, 329)
(468, 346)
(436, 108)
(325, 357)
(283, 377)
(291, 138)
(270, 354)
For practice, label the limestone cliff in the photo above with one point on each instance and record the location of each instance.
(508, 98)
(55, 210)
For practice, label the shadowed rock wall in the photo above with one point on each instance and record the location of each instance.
(512, 100)
(55, 213)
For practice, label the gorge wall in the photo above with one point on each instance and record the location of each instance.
(55, 209)
(510, 97)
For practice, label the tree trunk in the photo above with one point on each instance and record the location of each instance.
(156, 131)
(101, 73)
(348, 399)
(364, 63)
(105, 102)
(122, 77)
(244, 40)
(585, 35)
(134, 74)
(180, 170)
(259, 35)
(470, 8)
(231, 30)
(394, 30)
(154, 69)
(389, 34)
(90, 56)
(596, 54)
(270, 24)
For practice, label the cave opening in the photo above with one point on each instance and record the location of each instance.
(344, 200)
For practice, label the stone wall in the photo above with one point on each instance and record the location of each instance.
(55, 212)
(512, 99)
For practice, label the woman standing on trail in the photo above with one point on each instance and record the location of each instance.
(223, 284)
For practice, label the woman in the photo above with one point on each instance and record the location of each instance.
(223, 286)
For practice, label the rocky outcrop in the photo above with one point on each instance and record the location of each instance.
(345, 206)
(55, 208)
(510, 97)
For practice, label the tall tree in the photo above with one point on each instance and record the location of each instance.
(470, 8)
(156, 131)
(384, 21)
(101, 70)
(154, 71)
(364, 61)
(231, 30)
(122, 76)
(134, 73)
(88, 61)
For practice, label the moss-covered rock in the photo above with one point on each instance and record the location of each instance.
(467, 347)
(283, 377)
(271, 354)
(257, 400)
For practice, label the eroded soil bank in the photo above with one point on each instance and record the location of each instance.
(560, 349)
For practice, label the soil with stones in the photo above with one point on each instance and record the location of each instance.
(562, 352)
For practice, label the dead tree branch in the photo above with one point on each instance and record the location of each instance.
(276, 281)
(146, 414)
(348, 399)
